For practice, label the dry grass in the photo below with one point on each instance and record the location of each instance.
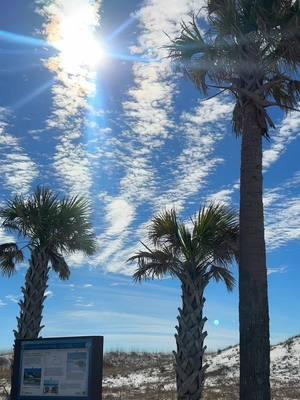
(216, 393)
(123, 364)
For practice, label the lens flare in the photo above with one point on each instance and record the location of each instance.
(76, 40)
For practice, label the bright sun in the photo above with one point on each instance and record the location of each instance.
(77, 44)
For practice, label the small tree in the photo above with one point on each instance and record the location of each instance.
(195, 256)
(52, 228)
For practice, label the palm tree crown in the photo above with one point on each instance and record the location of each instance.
(46, 222)
(252, 50)
(205, 249)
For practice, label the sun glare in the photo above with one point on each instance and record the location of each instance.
(77, 42)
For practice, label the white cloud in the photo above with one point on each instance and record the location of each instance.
(201, 129)
(150, 124)
(114, 284)
(282, 213)
(71, 92)
(283, 222)
(13, 298)
(76, 259)
(17, 170)
(119, 215)
(85, 305)
(279, 270)
(88, 285)
(115, 321)
(271, 196)
(289, 131)
(222, 196)
(49, 294)
(2, 303)
(73, 167)
(150, 107)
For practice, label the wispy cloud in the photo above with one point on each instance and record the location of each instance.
(283, 222)
(201, 129)
(151, 124)
(49, 294)
(17, 169)
(74, 86)
(115, 322)
(279, 270)
(13, 298)
(222, 196)
(281, 138)
(282, 209)
(119, 215)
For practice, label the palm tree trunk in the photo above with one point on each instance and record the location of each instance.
(190, 372)
(31, 307)
(253, 286)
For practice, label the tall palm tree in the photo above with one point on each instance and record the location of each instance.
(195, 256)
(52, 228)
(252, 51)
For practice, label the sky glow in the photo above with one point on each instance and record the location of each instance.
(76, 39)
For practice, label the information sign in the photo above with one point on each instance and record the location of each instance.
(63, 368)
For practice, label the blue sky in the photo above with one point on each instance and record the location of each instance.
(134, 137)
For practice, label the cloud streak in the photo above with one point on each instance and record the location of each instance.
(17, 169)
(74, 86)
(285, 135)
(282, 213)
(151, 124)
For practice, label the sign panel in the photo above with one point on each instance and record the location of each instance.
(58, 367)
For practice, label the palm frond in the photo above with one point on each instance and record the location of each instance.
(164, 229)
(285, 92)
(10, 254)
(73, 230)
(215, 234)
(219, 273)
(59, 265)
(15, 216)
(287, 48)
(188, 51)
(224, 16)
(154, 263)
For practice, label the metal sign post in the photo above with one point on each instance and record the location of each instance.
(62, 368)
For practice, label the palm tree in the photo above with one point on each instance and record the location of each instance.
(195, 256)
(252, 51)
(52, 228)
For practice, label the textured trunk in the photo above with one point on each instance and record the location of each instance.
(253, 286)
(31, 307)
(190, 372)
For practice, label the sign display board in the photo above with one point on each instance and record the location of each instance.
(63, 368)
